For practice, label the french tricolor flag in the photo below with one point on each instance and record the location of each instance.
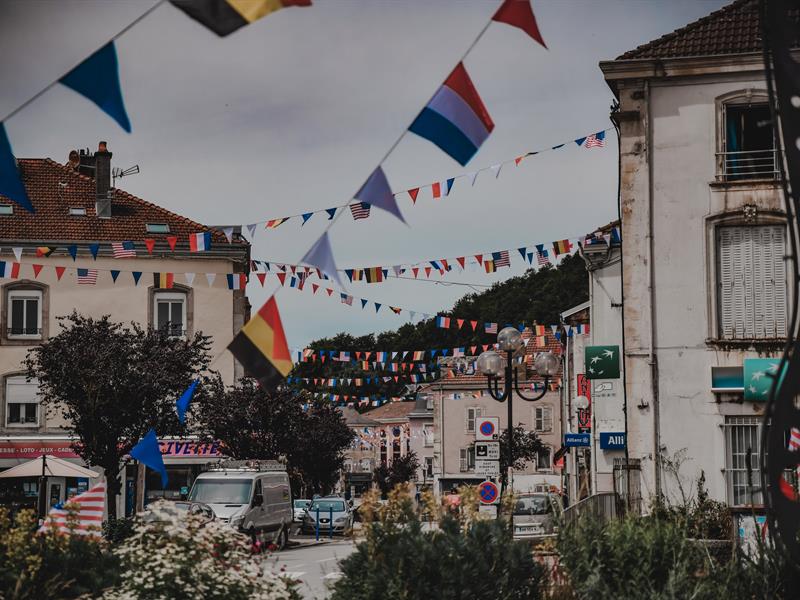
(455, 119)
(200, 242)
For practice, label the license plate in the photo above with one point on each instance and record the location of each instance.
(323, 520)
(529, 529)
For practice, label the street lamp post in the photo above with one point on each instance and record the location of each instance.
(490, 363)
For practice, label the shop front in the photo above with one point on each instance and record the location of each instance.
(184, 460)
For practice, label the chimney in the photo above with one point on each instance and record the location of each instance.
(102, 180)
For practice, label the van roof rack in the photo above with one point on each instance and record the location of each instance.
(247, 465)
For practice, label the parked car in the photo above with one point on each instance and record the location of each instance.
(300, 506)
(334, 514)
(253, 497)
(534, 515)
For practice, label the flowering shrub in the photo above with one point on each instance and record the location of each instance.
(175, 556)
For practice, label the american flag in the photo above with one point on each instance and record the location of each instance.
(794, 439)
(123, 249)
(347, 299)
(490, 327)
(597, 140)
(87, 276)
(88, 514)
(542, 258)
(501, 259)
(359, 210)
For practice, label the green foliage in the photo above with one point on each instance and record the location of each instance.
(526, 446)
(116, 531)
(112, 383)
(403, 470)
(400, 559)
(701, 517)
(254, 423)
(535, 297)
(51, 565)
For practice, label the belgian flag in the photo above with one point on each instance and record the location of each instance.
(374, 274)
(163, 280)
(261, 346)
(223, 17)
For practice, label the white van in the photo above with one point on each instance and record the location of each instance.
(253, 496)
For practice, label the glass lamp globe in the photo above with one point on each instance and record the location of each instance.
(509, 339)
(490, 363)
(581, 403)
(546, 364)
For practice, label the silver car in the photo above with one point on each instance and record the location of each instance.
(535, 515)
(334, 513)
(299, 508)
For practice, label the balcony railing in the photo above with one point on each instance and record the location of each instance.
(748, 164)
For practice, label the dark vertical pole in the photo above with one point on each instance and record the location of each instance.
(330, 520)
(510, 399)
(43, 489)
(317, 528)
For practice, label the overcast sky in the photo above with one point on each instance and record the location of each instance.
(292, 113)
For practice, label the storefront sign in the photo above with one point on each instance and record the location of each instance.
(30, 449)
(759, 375)
(612, 440)
(574, 440)
(190, 449)
(602, 362)
(584, 388)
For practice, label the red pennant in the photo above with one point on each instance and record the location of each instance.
(472, 350)
(149, 244)
(485, 347)
(261, 278)
(519, 14)
(518, 160)
(474, 324)
(172, 240)
(460, 322)
(460, 260)
(479, 258)
(413, 193)
(415, 270)
(294, 269)
(444, 264)
(329, 290)
(314, 287)
(367, 355)
(281, 277)
(36, 270)
(428, 272)
(60, 272)
(358, 355)
(396, 378)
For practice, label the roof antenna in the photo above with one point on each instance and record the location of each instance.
(116, 172)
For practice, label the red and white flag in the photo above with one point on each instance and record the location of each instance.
(359, 210)
(89, 516)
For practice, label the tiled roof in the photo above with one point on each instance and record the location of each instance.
(54, 188)
(392, 410)
(733, 29)
(353, 418)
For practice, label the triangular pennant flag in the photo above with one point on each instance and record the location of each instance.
(94, 249)
(329, 290)
(182, 404)
(136, 276)
(415, 271)
(580, 141)
(496, 169)
(428, 272)
(479, 258)
(376, 191)
(73, 251)
(460, 322)
(228, 231)
(320, 255)
(148, 452)
(377, 307)
(522, 252)
(210, 277)
(460, 261)
(364, 302)
(518, 13)
(413, 193)
(474, 324)
(97, 79)
(114, 275)
(331, 212)
(60, 272)
(251, 229)
(17, 253)
(518, 160)
(36, 270)
(189, 278)
(172, 240)
(10, 181)
(281, 278)
(449, 185)
(149, 244)
(473, 176)
(306, 217)
(261, 278)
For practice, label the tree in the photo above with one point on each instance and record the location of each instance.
(254, 423)
(402, 470)
(112, 383)
(527, 446)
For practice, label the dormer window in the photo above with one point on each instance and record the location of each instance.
(6, 209)
(77, 211)
(157, 228)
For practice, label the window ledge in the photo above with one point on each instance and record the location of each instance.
(22, 426)
(22, 341)
(744, 343)
(765, 183)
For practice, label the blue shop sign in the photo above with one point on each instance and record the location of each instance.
(573, 440)
(612, 440)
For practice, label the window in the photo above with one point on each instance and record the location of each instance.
(170, 312)
(428, 467)
(427, 433)
(383, 453)
(157, 228)
(751, 281)
(24, 314)
(6, 209)
(22, 402)
(395, 450)
(748, 144)
(77, 211)
(543, 419)
(543, 460)
(742, 446)
(473, 413)
(467, 456)
(429, 402)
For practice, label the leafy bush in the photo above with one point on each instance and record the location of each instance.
(118, 530)
(399, 558)
(50, 565)
(181, 557)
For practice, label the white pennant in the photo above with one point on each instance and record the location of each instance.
(473, 176)
(210, 277)
(496, 169)
(17, 253)
(189, 278)
(228, 231)
(252, 229)
(397, 270)
(412, 313)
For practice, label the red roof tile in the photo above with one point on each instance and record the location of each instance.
(392, 410)
(733, 29)
(54, 188)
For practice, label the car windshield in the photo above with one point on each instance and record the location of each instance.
(301, 503)
(532, 505)
(221, 491)
(327, 505)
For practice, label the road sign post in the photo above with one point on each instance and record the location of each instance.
(487, 450)
(487, 429)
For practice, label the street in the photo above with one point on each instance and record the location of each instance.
(315, 564)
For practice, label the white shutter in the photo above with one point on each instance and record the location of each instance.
(726, 282)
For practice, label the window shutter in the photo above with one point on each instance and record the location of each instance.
(725, 286)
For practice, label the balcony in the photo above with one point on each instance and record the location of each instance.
(747, 165)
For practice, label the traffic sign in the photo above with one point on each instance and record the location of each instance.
(487, 428)
(490, 450)
(490, 468)
(490, 510)
(488, 493)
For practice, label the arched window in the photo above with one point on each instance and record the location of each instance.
(745, 137)
(24, 317)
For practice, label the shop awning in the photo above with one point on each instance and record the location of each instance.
(54, 467)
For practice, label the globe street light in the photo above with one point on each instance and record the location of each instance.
(492, 364)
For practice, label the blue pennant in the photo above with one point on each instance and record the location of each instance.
(148, 453)
(182, 404)
(10, 181)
